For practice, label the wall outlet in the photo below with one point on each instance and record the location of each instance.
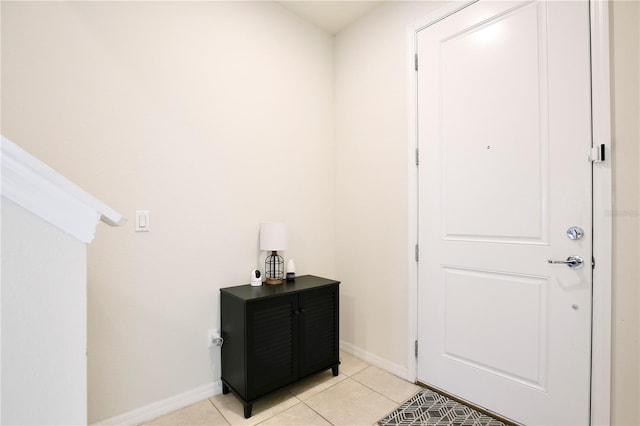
(214, 338)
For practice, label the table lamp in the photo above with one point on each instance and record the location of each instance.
(273, 237)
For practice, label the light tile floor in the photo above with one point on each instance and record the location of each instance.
(361, 394)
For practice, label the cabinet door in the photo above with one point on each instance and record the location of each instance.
(272, 350)
(318, 329)
(232, 326)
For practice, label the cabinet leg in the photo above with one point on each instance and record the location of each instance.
(334, 370)
(247, 409)
(225, 389)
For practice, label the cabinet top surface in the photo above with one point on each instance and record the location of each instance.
(301, 283)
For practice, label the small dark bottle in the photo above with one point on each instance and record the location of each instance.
(291, 271)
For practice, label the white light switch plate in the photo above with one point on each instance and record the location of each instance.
(142, 220)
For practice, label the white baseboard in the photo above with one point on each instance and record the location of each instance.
(391, 367)
(167, 405)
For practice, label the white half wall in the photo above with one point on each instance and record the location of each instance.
(44, 321)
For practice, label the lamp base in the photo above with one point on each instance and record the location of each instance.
(273, 268)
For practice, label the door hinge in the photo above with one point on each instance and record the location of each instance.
(417, 252)
(593, 262)
(416, 348)
(417, 157)
(415, 61)
(597, 153)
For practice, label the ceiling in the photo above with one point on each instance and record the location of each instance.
(331, 16)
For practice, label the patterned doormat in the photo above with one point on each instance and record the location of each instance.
(430, 408)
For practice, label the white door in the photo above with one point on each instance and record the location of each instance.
(504, 132)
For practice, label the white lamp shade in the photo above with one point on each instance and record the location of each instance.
(273, 236)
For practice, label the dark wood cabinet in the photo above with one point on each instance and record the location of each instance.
(275, 335)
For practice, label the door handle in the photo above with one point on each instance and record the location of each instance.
(575, 262)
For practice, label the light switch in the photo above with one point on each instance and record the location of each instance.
(142, 220)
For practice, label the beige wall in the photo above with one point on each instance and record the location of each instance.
(372, 195)
(176, 107)
(625, 72)
(215, 116)
(372, 198)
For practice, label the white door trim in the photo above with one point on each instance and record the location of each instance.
(602, 217)
(602, 202)
(412, 34)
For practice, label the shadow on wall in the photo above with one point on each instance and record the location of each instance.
(347, 319)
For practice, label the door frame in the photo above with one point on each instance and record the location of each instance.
(602, 201)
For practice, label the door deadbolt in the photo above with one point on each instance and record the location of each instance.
(575, 233)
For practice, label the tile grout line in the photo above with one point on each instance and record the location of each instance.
(384, 396)
(218, 410)
(299, 400)
(321, 416)
(398, 404)
(323, 390)
(326, 389)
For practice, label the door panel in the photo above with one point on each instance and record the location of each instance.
(504, 117)
(502, 55)
(515, 320)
